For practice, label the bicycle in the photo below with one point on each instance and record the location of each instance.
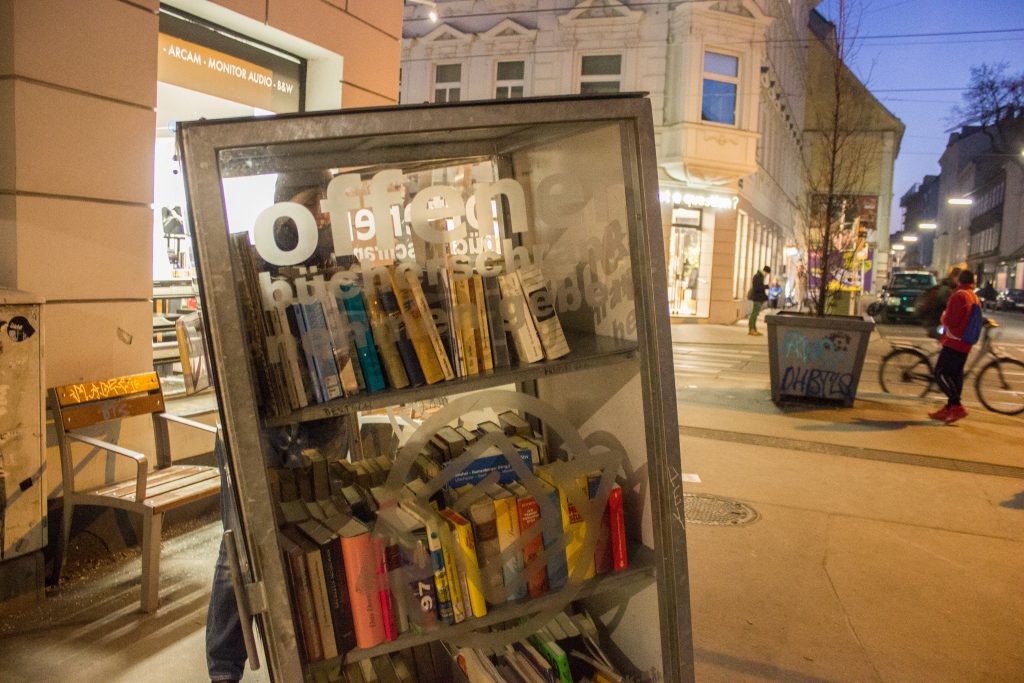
(909, 371)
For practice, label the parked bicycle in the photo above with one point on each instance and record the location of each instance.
(909, 371)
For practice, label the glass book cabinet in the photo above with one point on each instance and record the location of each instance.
(442, 355)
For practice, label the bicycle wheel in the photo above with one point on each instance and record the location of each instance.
(905, 372)
(1000, 386)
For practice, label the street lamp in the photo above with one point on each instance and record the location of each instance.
(910, 238)
(960, 201)
(927, 226)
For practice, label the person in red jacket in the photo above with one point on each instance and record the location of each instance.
(949, 368)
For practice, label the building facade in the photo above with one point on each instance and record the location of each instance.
(983, 227)
(89, 93)
(920, 206)
(726, 82)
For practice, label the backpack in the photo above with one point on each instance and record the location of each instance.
(975, 323)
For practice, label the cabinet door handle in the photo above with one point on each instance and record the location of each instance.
(242, 600)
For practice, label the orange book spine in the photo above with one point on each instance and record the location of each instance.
(363, 589)
(529, 515)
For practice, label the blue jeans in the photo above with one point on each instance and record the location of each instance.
(225, 648)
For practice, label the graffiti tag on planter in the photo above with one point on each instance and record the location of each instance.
(817, 364)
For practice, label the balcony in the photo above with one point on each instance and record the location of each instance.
(707, 153)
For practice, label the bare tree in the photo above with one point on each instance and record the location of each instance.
(843, 148)
(994, 101)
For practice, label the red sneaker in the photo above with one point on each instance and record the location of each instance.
(940, 414)
(955, 413)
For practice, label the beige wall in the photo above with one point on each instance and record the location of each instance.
(77, 135)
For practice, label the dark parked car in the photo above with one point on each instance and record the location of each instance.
(902, 291)
(1010, 300)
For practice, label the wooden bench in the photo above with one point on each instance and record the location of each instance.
(153, 491)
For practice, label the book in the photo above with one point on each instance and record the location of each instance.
(495, 323)
(541, 306)
(457, 586)
(610, 552)
(363, 582)
(318, 591)
(482, 515)
(316, 343)
(438, 295)
(385, 337)
(387, 607)
(465, 325)
(469, 564)
(506, 515)
(416, 328)
(340, 332)
(558, 568)
(420, 301)
(514, 424)
(442, 582)
(396, 320)
(334, 577)
(537, 661)
(529, 516)
(574, 525)
(519, 321)
(553, 653)
(491, 460)
(302, 594)
(359, 323)
(481, 332)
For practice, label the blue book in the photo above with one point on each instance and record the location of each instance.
(359, 322)
(558, 566)
(475, 471)
(406, 351)
(317, 343)
(298, 324)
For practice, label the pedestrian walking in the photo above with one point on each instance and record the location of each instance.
(962, 322)
(757, 297)
(800, 288)
(774, 292)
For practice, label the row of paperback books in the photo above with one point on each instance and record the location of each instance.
(319, 336)
(366, 566)
(566, 650)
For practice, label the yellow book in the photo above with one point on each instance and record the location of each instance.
(469, 568)
(574, 525)
(420, 300)
(483, 334)
(455, 578)
(506, 514)
(415, 327)
(465, 327)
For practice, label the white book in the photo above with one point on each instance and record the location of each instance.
(552, 338)
(523, 328)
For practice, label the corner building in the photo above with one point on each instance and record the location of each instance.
(726, 81)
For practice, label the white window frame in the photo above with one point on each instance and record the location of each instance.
(706, 75)
(601, 78)
(509, 83)
(447, 86)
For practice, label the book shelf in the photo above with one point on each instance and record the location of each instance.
(558, 193)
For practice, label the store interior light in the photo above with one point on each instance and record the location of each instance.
(910, 238)
(960, 201)
(898, 247)
(927, 226)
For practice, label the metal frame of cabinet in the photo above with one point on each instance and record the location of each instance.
(420, 135)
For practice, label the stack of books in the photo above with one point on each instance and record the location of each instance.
(316, 336)
(366, 565)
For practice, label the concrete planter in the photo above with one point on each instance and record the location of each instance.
(816, 359)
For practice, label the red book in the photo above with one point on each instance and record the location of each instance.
(529, 515)
(361, 575)
(384, 591)
(617, 529)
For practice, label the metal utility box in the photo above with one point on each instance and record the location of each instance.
(506, 217)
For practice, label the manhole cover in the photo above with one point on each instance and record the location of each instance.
(701, 508)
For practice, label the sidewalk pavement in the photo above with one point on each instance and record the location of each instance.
(889, 547)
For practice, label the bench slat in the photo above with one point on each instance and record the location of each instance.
(121, 489)
(89, 414)
(174, 485)
(82, 392)
(185, 495)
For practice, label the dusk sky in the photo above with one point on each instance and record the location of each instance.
(921, 78)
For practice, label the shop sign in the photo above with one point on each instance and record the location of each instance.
(700, 200)
(196, 67)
